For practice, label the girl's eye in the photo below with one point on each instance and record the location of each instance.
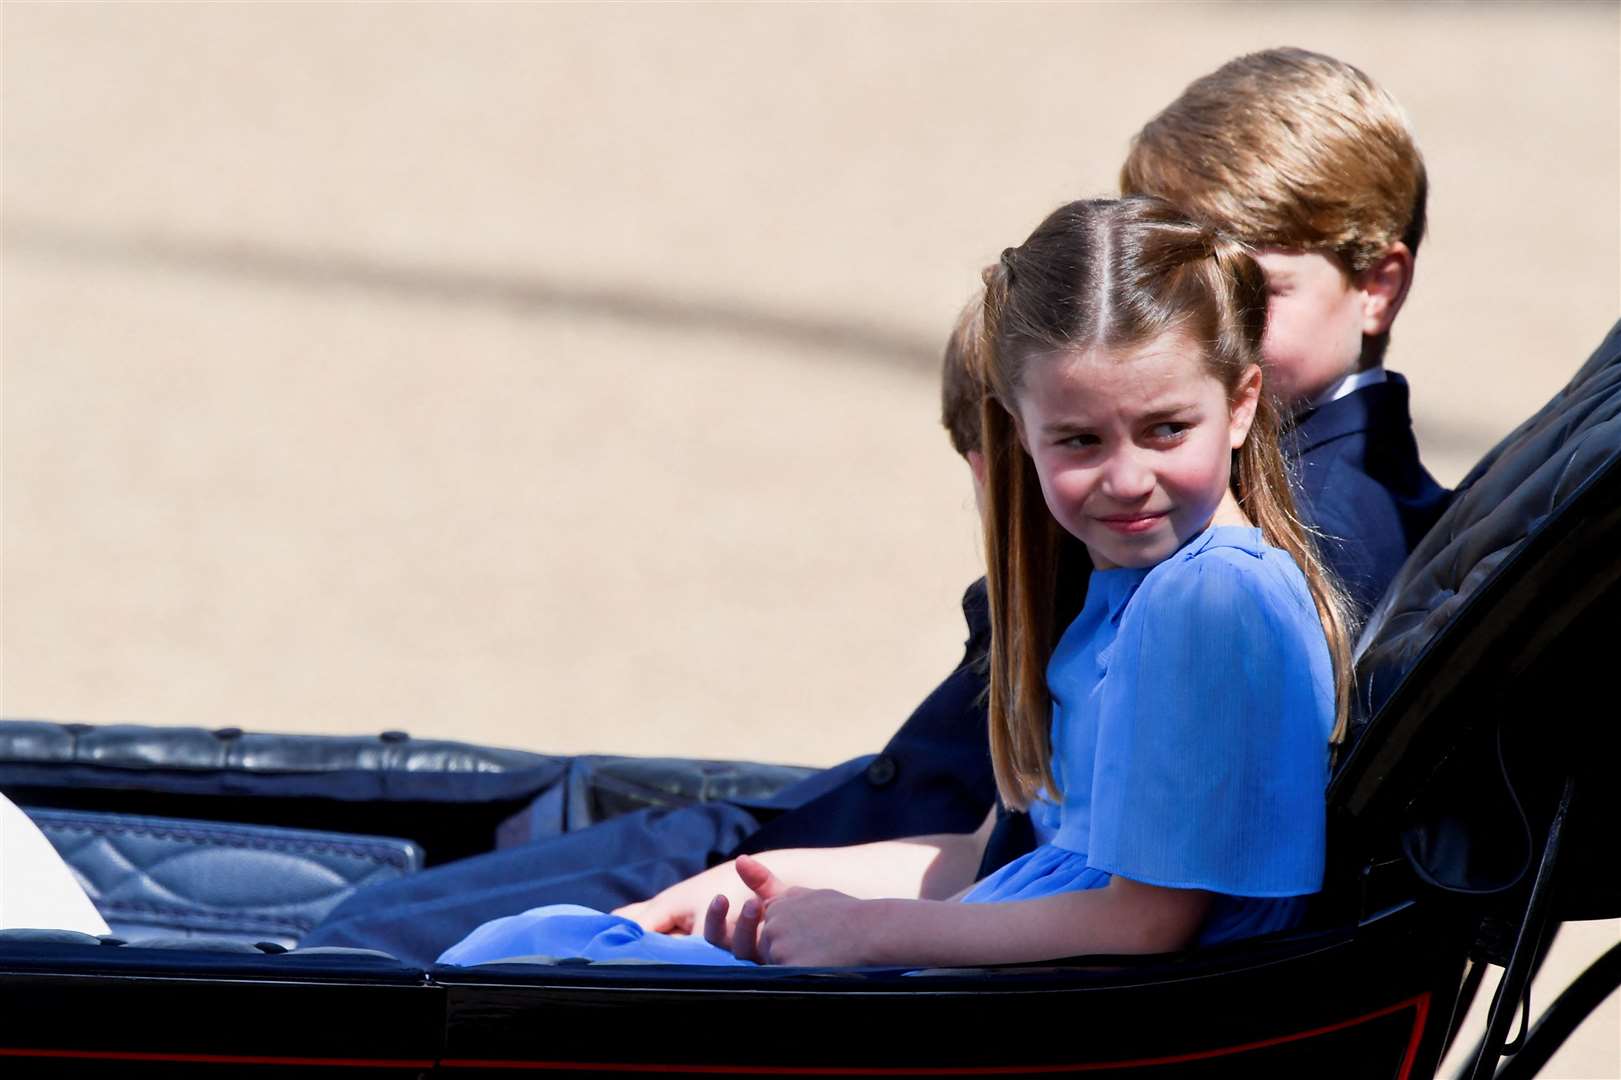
(1171, 429)
(1079, 442)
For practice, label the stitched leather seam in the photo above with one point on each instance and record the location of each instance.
(224, 838)
(218, 915)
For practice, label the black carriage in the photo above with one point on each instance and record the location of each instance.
(1470, 815)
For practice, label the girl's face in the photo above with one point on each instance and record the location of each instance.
(1134, 448)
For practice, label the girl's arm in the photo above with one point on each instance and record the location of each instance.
(828, 929)
(930, 867)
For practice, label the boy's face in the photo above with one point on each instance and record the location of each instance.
(1315, 319)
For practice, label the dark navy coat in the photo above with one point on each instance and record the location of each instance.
(1361, 484)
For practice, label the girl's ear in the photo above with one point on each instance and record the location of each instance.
(1246, 398)
(1018, 430)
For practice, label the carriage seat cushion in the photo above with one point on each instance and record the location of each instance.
(152, 876)
(1519, 485)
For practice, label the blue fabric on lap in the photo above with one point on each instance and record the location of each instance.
(561, 931)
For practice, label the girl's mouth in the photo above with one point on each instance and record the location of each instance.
(1132, 523)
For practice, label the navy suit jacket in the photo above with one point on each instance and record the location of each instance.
(1361, 484)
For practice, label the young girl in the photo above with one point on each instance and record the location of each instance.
(1172, 742)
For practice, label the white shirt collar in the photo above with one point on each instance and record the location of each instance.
(1350, 384)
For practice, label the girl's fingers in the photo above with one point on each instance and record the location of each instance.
(715, 922)
(758, 878)
(745, 933)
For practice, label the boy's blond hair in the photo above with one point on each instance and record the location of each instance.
(1288, 148)
(962, 378)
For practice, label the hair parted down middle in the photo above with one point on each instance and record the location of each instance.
(1112, 275)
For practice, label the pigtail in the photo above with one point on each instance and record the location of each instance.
(1262, 484)
(1261, 478)
(1021, 543)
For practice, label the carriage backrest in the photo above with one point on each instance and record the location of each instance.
(1526, 480)
(1492, 619)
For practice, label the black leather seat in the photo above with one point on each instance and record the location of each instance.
(199, 880)
(1484, 673)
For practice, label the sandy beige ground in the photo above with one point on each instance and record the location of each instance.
(562, 377)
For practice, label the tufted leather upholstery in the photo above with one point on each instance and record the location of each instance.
(451, 799)
(1479, 671)
(195, 879)
(586, 788)
(454, 799)
(132, 747)
(1511, 493)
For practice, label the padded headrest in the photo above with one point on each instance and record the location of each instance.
(1522, 483)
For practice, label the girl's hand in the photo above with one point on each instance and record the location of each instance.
(781, 924)
(680, 909)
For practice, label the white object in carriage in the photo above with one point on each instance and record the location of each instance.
(37, 889)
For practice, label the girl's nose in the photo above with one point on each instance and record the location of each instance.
(1127, 479)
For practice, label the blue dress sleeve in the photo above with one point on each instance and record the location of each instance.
(1212, 751)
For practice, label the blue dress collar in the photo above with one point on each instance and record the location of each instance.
(1113, 588)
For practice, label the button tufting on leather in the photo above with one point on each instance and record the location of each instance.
(126, 746)
(209, 878)
(1509, 495)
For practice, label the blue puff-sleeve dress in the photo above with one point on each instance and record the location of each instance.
(1193, 702)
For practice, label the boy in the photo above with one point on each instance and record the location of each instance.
(1308, 160)
(933, 777)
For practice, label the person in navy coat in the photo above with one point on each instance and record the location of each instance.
(1362, 486)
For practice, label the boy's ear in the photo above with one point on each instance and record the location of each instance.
(976, 465)
(1246, 399)
(1384, 288)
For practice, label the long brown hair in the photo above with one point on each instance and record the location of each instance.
(1112, 275)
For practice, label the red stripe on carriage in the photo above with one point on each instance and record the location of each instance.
(219, 1059)
(1420, 1006)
